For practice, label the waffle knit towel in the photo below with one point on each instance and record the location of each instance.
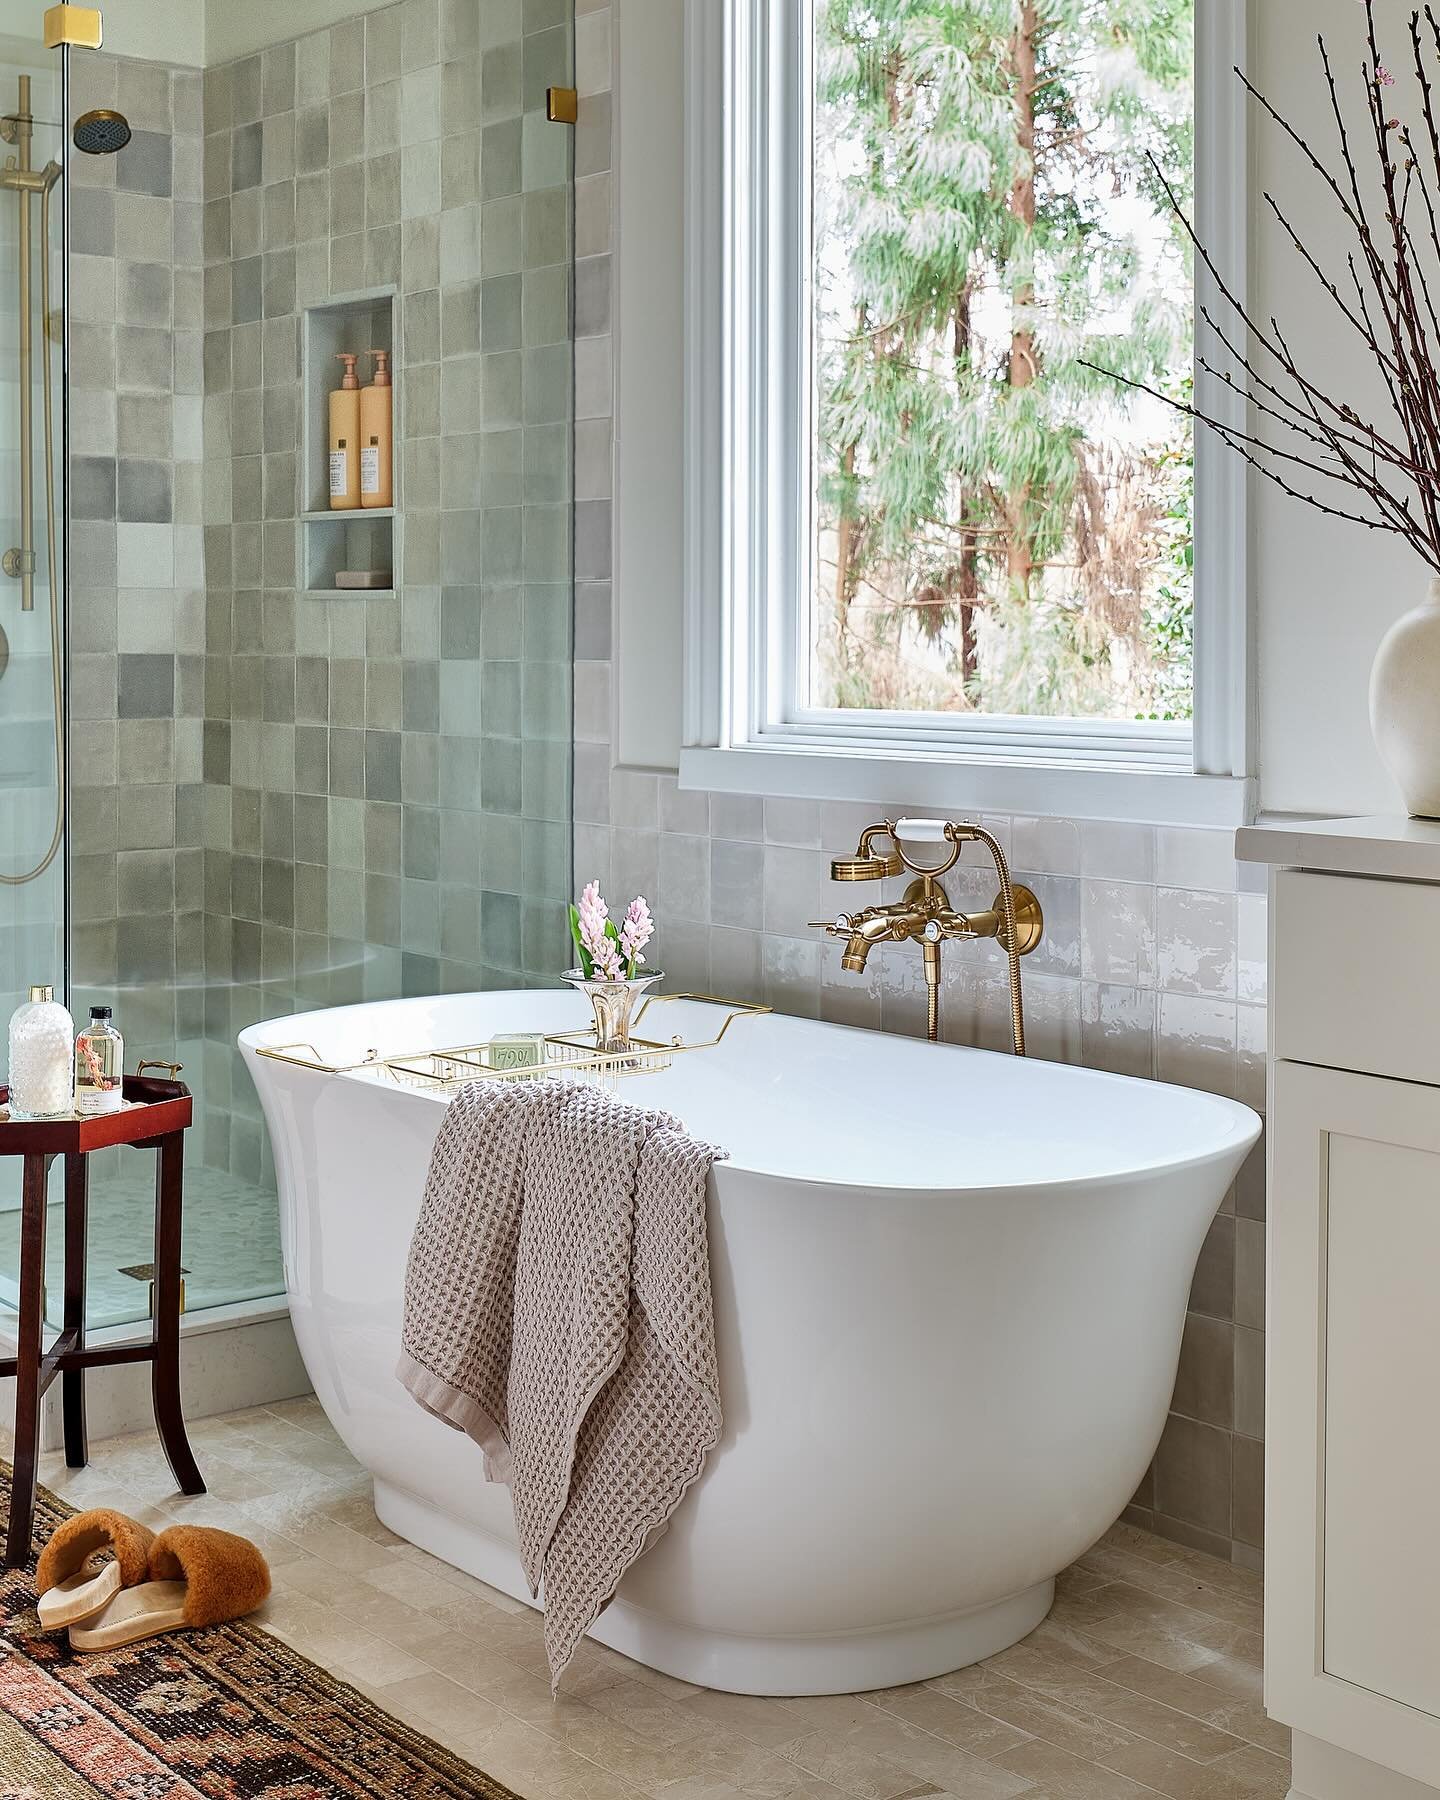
(558, 1309)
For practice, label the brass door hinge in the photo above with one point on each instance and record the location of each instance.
(146, 1272)
(79, 25)
(562, 105)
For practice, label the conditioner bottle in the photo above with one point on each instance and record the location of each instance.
(377, 487)
(345, 437)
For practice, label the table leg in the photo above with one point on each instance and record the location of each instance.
(27, 1361)
(72, 1381)
(165, 1370)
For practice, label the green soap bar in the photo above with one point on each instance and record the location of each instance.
(517, 1050)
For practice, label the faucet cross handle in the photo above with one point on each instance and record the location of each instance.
(839, 926)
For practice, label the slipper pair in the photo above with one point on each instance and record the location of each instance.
(188, 1576)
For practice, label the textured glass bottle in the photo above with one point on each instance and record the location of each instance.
(42, 1058)
(99, 1065)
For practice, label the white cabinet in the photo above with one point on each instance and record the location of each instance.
(1353, 1503)
(1352, 1526)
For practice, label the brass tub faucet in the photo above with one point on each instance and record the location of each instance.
(925, 914)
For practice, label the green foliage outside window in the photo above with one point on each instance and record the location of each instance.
(998, 528)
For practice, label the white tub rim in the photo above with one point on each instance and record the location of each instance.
(1235, 1124)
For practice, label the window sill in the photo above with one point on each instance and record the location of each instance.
(1059, 789)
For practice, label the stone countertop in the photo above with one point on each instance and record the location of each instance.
(1385, 845)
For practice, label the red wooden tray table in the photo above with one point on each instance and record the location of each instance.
(156, 1117)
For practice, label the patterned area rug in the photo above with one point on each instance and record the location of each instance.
(225, 1714)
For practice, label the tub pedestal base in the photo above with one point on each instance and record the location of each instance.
(775, 1666)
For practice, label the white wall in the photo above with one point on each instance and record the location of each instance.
(195, 32)
(649, 370)
(233, 29)
(161, 30)
(1325, 591)
(170, 31)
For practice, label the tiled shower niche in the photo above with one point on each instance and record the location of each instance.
(364, 538)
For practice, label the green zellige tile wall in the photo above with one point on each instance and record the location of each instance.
(342, 799)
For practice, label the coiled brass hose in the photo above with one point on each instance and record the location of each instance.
(1012, 929)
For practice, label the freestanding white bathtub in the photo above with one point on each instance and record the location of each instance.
(949, 1285)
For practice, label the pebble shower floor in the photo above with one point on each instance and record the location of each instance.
(232, 1243)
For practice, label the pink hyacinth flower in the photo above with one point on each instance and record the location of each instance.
(593, 915)
(636, 931)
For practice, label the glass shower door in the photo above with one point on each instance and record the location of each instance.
(32, 472)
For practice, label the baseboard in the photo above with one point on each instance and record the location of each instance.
(230, 1358)
(1322, 1772)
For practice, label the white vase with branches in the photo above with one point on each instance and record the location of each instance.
(1405, 704)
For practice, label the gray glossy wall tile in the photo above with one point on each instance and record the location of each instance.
(1149, 949)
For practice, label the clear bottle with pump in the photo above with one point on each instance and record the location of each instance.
(99, 1066)
(377, 486)
(42, 1058)
(345, 436)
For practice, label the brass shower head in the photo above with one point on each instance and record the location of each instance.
(101, 132)
(867, 864)
(865, 868)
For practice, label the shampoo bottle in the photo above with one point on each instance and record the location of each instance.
(345, 437)
(42, 1058)
(376, 485)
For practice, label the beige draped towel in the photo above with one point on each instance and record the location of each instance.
(558, 1309)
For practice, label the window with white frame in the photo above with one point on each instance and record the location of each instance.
(922, 525)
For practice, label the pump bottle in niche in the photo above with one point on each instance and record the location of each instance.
(345, 437)
(377, 487)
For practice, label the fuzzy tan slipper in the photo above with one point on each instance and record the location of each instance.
(72, 1585)
(198, 1576)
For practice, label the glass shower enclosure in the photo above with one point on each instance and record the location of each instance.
(269, 791)
(32, 576)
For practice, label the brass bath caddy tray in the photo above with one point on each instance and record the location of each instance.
(568, 1055)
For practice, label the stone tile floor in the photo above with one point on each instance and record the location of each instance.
(1144, 1680)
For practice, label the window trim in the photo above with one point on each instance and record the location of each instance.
(746, 483)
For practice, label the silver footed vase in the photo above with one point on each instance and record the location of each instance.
(614, 1002)
(1405, 704)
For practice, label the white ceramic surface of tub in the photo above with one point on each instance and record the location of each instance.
(949, 1287)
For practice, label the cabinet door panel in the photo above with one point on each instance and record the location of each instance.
(1352, 1585)
(1382, 1419)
